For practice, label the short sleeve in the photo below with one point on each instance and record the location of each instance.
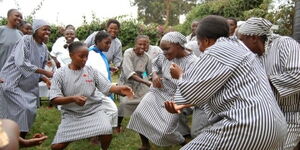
(56, 85)
(101, 82)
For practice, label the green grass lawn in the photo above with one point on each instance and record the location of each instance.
(47, 121)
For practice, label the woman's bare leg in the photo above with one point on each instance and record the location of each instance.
(145, 143)
(105, 141)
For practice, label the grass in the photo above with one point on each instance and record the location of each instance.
(47, 121)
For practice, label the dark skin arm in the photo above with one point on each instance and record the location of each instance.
(79, 100)
(47, 81)
(37, 139)
(56, 61)
(175, 71)
(122, 90)
(173, 108)
(44, 72)
(156, 80)
(139, 79)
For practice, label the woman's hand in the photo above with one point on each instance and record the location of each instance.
(175, 71)
(48, 74)
(47, 81)
(148, 83)
(79, 100)
(127, 91)
(114, 69)
(173, 108)
(1, 81)
(37, 139)
(156, 80)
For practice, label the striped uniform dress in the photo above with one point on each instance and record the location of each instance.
(231, 85)
(80, 122)
(150, 118)
(282, 65)
(20, 91)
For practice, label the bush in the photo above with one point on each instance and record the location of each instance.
(132, 28)
(228, 8)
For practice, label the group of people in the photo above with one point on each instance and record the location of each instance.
(240, 84)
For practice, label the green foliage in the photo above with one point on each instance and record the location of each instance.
(56, 32)
(85, 30)
(162, 11)
(283, 16)
(131, 28)
(3, 21)
(226, 8)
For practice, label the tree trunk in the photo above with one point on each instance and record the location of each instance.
(296, 33)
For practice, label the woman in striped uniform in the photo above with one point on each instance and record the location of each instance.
(150, 119)
(231, 85)
(74, 87)
(22, 73)
(280, 57)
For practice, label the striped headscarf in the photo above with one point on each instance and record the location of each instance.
(256, 26)
(259, 27)
(175, 37)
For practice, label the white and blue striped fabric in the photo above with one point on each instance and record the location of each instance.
(150, 118)
(20, 89)
(230, 84)
(282, 65)
(80, 122)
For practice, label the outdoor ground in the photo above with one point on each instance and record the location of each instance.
(47, 121)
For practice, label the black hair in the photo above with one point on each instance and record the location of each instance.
(23, 22)
(75, 45)
(9, 12)
(234, 20)
(141, 37)
(114, 21)
(100, 36)
(69, 26)
(212, 27)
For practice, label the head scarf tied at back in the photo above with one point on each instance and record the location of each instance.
(38, 23)
(175, 37)
(259, 27)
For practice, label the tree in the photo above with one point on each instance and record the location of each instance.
(226, 8)
(162, 11)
